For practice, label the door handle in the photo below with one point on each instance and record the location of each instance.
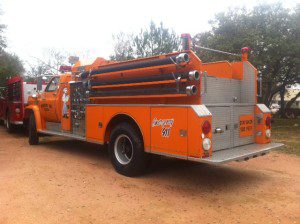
(54, 94)
(219, 130)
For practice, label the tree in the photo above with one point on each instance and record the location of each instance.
(10, 65)
(271, 32)
(2, 38)
(148, 42)
(155, 40)
(123, 47)
(48, 65)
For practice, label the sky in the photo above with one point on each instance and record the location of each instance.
(85, 27)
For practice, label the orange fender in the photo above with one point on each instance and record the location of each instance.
(36, 111)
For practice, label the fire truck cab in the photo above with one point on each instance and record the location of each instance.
(14, 99)
(171, 105)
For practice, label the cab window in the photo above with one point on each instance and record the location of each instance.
(53, 85)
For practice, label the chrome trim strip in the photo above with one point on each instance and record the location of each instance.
(170, 105)
(63, 135)
(201, 110)
(244, 153)
(263, 108)
(17, 122)
(228, 104)
(265, 148)
(138, 105)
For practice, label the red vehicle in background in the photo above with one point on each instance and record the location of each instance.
(13, 99)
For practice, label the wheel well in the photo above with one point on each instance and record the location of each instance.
(121, 118)
(26, 116)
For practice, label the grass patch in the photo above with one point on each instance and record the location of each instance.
(287, 131)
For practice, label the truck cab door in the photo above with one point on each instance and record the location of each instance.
(48, 100)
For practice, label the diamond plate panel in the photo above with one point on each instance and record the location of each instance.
(221, 119)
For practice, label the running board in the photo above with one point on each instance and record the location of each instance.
(63, 134)
(241, 153)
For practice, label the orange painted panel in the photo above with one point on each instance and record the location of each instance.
(260, 126)
(169, 130)
(195, 134)
(220, 69)
(64, 108)
(104, 114)
(237, 70)
(94, 123)
(246, 125)
(140, 114)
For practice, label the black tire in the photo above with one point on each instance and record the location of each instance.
(32, 132)
(132, 160)
(8, 125)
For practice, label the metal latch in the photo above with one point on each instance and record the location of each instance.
(219, 130)
(182, 133)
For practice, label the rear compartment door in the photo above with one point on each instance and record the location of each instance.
(221, 127)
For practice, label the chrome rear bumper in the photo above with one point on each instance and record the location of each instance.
(241, 153)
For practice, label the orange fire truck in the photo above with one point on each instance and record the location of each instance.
(172, 105)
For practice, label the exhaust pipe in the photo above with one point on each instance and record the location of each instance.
(194, 75)
(191, 90)
(182, 58)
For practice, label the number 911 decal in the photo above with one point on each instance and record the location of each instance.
(166, 126)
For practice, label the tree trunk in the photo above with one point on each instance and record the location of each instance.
(289, 104)
(282, 103)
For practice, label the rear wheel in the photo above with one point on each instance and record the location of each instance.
(126, 150)
(32, 132)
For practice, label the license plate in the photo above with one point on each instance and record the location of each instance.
(246, 125)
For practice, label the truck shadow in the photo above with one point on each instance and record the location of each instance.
(183, 174)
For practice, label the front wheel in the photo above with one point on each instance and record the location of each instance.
(126, 150)
(32, 132)
(8, 125)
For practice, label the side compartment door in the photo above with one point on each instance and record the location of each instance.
(169, 130)
(48, 100)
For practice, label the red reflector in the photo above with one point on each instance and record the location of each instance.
(268, 121)
(206, 127)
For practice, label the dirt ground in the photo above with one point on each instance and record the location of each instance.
(64, 181)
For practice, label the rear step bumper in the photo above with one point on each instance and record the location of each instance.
(240, 153)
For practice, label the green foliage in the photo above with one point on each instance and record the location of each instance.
(155, 40)
(10, 65)
(287, 131)
(123, 47)
(148, 42)
(271, 32)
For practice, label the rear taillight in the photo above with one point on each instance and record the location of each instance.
(268, 122)
(206, 127)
